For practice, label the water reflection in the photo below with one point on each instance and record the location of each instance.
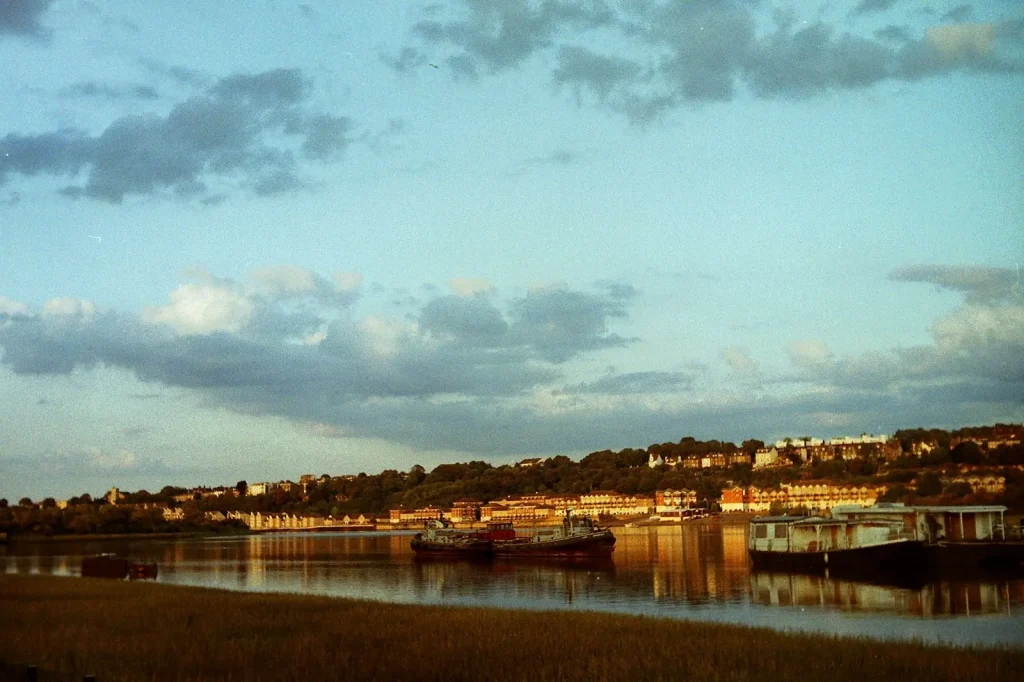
(693, 571)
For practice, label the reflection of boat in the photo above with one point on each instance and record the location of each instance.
(575, 538)
(815, 543)
(119, 568)
(936, 598)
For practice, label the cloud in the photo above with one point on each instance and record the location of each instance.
(642, 59)
(109, 92)
(464, 286)
(808, 352)
(22, 18)
(9, 307)
(977, 283)
(203, 309)
(873, 6)
(743, 367)
(489, 375)
(248, 130)
(958, 14)
(634, 383)
(560, 323)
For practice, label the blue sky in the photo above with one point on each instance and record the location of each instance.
(336, 237)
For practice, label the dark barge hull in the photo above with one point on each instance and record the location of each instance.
(996, 555)
(895, 556)
(580, 547)
(425, 549)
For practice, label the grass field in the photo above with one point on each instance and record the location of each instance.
(119, 631)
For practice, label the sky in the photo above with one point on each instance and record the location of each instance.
(342, 237)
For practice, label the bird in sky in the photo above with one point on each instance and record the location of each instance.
(434, 65)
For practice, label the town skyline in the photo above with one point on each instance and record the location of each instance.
(343, 237)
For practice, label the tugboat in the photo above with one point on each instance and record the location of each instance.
(438, 540)
(813, 543)
(575, 538)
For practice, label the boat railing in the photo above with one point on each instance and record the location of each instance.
(902, 534)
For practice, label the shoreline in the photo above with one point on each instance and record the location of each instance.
(137, 630)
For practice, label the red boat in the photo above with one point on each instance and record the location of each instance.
(117, 568)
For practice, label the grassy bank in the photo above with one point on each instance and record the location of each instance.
(136, 631)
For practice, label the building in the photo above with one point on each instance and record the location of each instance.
(114, 496)
(738, 457)
(674, 500)
(532, 462)
(416, 516)
(765, 457)
(464, 511)
(259, 488)
(734, 500)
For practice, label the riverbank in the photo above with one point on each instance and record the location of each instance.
(70, 627)
(86, 537)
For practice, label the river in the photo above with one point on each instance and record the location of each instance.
(695, 571)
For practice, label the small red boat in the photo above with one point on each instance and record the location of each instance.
(117, 568)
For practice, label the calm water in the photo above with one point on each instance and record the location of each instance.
(693, 572)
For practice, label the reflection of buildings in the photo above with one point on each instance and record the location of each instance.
(687, 563)
(938, 599)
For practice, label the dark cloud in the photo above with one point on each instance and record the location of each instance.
(110, 92)
(470, 320)
(500, 35)
(977, 283)
(657, 56)
(560, 323)
(22, 17)
(252, 130)
(958, 14)
(559, 157)
(636, 383)
(873, 6)
(893, 33)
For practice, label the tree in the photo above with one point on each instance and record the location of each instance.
(242, 487)
(751, 446)
(3, 503)
(49, 503)
(929, 484)
(25, 502)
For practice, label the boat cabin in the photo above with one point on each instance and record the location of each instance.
(811, 534)
(936, 523)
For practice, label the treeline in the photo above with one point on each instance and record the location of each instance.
(99, 517)
(910, 478)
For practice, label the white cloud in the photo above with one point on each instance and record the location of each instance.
(977, 325)
(69, 307)
(465, 286)
(808, 352)
(740, 362)
(203, 309)
(9, 307)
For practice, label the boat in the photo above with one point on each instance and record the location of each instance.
(814, 543)
(118, 568)
(440, 540)
(959, 537)
(575, 538)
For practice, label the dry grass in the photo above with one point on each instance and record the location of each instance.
(135, 631)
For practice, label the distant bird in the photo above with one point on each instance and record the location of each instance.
(434, 65)
(98, 239)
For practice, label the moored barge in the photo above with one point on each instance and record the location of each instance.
(811, 543)
(576, 538)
